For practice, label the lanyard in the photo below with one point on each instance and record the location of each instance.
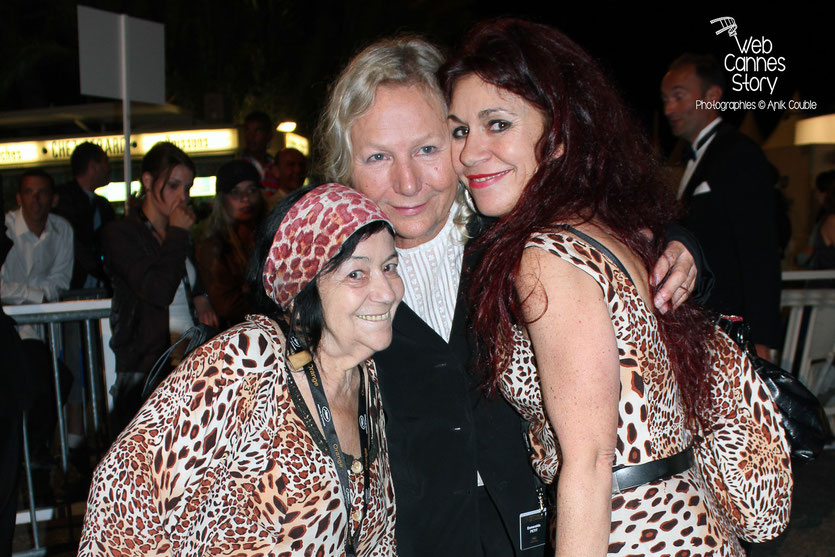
(302, 358)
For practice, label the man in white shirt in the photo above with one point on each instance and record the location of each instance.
(37, 268)
(39, 264)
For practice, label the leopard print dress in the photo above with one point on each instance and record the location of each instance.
(219, 462)
(678, 516)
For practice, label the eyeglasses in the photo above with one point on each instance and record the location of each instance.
(249, 193)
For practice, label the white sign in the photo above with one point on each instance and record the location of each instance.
(100, 36)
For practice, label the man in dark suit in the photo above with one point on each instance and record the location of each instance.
(728, 188)
(87, 212)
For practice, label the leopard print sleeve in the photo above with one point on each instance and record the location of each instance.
(167, 483)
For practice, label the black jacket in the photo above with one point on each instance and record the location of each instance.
(145, 277)
(79, 209)
(735, 222)
(440, 431)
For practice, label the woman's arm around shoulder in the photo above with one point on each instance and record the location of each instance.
(577, 358)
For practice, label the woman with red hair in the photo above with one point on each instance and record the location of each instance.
(619, 392)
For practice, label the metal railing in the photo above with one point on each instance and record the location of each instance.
(809, 346)
(52, 315)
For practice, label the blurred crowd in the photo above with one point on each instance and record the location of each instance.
(165, 271)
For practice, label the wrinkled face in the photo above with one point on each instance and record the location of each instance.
(494, 137)
(35, 198)
(292, 169)
(163, 197)
(401, 160)
(359, 299)
(242, 201)
(680, 89)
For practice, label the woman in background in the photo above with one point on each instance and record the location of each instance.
(157, 294)
(224, 250)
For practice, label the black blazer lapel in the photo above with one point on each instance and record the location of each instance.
(459, 337)
(410, 325)
(701, 171)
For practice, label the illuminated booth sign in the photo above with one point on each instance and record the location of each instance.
(297, 142)
(46, 151)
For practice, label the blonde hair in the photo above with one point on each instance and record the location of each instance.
(401, 60)
(405, 60)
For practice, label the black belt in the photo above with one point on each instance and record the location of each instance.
(627, 477)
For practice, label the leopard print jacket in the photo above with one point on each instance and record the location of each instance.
(219, 462)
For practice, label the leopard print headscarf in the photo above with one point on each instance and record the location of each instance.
(310, 234)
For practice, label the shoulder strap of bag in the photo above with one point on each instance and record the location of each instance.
(602, 249)
(195, 336)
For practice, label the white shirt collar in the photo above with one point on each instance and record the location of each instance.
(21, 228)
(431, 273)
(706, 130)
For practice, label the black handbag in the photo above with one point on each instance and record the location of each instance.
(196, 337)
(804, 419)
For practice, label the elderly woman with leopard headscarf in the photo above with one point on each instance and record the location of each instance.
(269, 439)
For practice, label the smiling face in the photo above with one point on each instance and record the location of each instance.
(401, 160)
(162, 197)
(494, 137)
(359, 299)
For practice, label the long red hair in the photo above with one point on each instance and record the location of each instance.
(608, 174)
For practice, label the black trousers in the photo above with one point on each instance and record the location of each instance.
(14, 399)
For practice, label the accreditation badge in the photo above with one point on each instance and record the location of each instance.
(533, 529)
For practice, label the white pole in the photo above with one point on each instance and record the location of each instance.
(123, 51)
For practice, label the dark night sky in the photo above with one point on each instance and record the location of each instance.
(634, 44)
(637, 45)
